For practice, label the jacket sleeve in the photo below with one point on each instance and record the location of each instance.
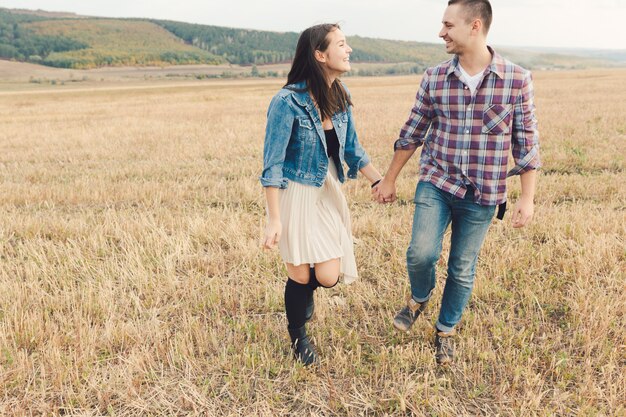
(280, 119)
(355, 155)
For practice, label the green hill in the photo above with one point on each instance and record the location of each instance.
(91, 42)
(19, 43)
(67, 41)
(237, 46)
(245, 47)
(384, 50)
(118, 42)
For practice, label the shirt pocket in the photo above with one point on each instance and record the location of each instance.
(497, 119)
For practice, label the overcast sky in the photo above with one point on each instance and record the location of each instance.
(545, 23)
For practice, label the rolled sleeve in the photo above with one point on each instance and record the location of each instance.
(525, 136)
(353, 170)
(414, 130)
(280, 119)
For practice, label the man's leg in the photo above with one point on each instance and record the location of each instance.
(431, 218)
(470, 223)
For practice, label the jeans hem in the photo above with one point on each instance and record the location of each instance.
(443, 328)
(420, 300)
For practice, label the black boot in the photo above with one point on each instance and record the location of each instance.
(303, 349)
(296, 300)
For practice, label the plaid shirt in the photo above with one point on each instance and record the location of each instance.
(467, 137)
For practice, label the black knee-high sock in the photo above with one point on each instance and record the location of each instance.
(295, 303)
(313, 282)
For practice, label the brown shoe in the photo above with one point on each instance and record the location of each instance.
(407, 316)
(444, 345)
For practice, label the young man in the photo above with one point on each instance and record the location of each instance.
(469, 113)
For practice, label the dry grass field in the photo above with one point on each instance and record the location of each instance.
(132, 282)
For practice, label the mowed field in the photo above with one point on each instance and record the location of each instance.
(132, 281)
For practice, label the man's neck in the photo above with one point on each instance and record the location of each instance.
(474, 62)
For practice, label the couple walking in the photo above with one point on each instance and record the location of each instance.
(469, 113)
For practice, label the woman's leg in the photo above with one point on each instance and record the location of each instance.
(300, 273)
(330, 274)
(327, 272)
(297, 294)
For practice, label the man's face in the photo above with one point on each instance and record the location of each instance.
(455, 30)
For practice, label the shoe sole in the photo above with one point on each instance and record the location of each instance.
(443, 360)
(401, 326)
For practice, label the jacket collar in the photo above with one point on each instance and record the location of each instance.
(301, 94)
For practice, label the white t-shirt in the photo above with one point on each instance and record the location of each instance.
(471, 80)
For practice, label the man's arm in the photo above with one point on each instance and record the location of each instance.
(525, 152)
(525, 206)
(412, 136)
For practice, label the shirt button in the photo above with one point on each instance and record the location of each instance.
(464, 152)
(466, 130)
(339, 124)
(465, 87)
(469, 108)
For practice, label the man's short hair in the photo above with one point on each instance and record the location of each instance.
(480, 9)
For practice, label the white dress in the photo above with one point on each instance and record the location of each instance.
(316, 225)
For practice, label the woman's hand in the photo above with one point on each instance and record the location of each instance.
(273, 231)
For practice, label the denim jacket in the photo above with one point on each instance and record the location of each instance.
(295, 143)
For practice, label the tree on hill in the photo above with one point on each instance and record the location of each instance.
(237, 46)
(17, 42)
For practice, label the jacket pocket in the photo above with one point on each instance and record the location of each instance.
(496, 119)
(306, 139)
(306, 129)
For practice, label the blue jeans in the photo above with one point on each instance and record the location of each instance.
(434, 211)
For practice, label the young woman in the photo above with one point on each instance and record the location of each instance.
(310, 134)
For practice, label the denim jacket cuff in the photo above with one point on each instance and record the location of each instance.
(272, 182)
(354, 170)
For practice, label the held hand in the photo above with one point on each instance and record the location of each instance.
(385, 191)
(375, 192)
(273, 231)
(522, 213)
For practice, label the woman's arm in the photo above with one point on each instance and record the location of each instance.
(371, 173)
(274, 228)
(280, 119)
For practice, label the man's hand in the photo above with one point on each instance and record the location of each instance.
(523, 212)
(384, 192)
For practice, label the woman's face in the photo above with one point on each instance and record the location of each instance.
(336, 58)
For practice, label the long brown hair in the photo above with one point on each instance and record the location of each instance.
(306, 68)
